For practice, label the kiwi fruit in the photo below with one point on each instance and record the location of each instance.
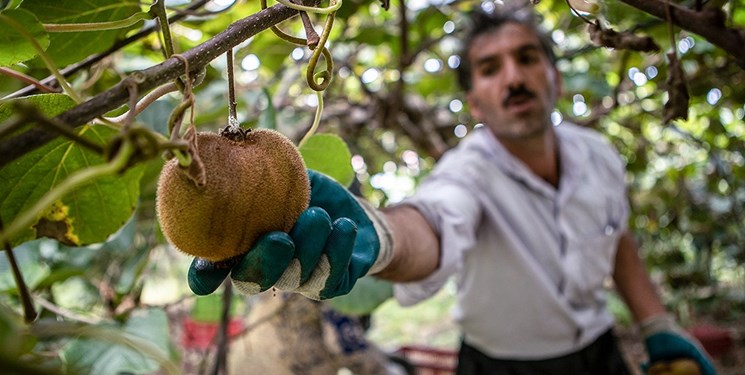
(683, 366)
(255, 183)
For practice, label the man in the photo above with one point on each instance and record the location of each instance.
(529, 217)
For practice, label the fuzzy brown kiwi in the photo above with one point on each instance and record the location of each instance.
(254, 184)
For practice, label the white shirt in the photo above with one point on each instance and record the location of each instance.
(530, 260)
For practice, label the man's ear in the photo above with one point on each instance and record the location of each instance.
(473, 104)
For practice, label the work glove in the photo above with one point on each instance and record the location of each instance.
(666, 342)
(337, 240)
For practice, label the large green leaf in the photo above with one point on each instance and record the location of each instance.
(67, 48)
(327, 153)
(15, 45)
(88, 356)
(87, 215)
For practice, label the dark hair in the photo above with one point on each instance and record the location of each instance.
(483, 22)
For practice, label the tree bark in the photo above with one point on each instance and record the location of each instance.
(708, 23)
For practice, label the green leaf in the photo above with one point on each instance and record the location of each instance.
(87, 215)
(368, 293)
(67, 48)
(328, 154)
(49, 105)
(88, 356)
(15, 47)
(208, 309)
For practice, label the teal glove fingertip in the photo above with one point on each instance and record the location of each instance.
(204, 277)
(345, 269)
(309, 235)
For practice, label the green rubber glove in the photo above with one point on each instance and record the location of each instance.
(337, 240)
(666, 341)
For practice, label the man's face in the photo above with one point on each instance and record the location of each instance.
(514, 86)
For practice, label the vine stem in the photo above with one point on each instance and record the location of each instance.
(232, 111)
(159, 9)
(31, 113)
(44, 57)
(221, 357)
(148, 99)
(73, 181)
(670, 30)
(26, 79)
(576, 12)
(29, 312)
(316, 120)
(97, 26)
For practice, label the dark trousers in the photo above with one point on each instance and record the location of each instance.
(602, 357)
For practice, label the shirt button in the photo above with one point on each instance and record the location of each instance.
(609, 230)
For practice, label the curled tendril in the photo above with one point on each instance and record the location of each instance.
(176, 118)
(326, 75)
(332, 8)
(311, 77)
(133, 96)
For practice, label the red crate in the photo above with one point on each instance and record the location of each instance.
(200, 335)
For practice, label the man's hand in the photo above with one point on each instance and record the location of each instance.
(667, 342)
(337, 240)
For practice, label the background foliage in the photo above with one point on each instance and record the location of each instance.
(107, 275)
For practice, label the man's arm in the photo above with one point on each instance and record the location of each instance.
(633, 283)
(416, 250)
(665, 341)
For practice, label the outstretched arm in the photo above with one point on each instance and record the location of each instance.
(416, 247)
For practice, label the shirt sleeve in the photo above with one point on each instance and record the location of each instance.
(454, 213)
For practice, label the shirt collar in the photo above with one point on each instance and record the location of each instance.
(572, 151)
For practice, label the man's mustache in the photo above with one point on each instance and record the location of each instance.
(517, 92)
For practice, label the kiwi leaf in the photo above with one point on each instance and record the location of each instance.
(328, 154)
(368, 293)
(87, 215)
(67, 48)
(14, 46)
(147, 332)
